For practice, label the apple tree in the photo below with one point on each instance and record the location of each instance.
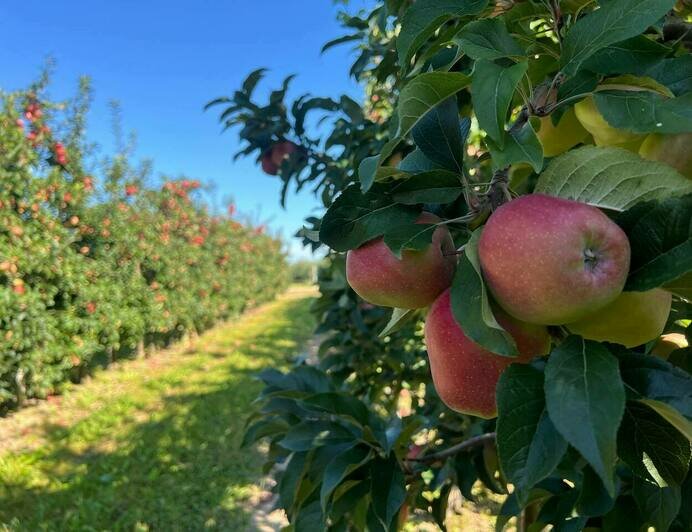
(507, 299)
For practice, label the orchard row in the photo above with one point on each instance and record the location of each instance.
(92, 269)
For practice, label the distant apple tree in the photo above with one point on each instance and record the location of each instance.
(517, 187)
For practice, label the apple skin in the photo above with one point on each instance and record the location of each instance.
(465, 375)
(674, 150)
(414, 281)
(603, 133)
(273, 156)
(552, 261)
(558, 139)
(633, 319)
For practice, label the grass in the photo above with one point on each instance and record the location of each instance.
(151, 444)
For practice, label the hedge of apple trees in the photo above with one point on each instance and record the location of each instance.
(514, 194)
(96, 269)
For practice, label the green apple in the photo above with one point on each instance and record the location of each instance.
(634, 318)
(603, 133)
(674, 150)
(558, 139)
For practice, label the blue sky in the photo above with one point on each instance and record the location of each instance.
(164, 59)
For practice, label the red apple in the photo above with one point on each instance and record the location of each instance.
(464, 373)
(273, 157)
(414, 281)
(553, 261)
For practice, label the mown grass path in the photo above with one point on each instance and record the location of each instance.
(151, 444)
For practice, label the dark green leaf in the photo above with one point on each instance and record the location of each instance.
(645, 111)
(624, 517)
(660, 235)
(422, 19)
(471, 306)
(651, 446)
(340, 467)
(672, 416)
(610, 178)
(593, 497)
(412, 237)
(492, 90)
(262, 428)
(528, 444)
(586, 399)
(400, 316)
(416, 162)
(675, 73)
(654, 378)
(440, 137)
(659, 506)
(488, 38)
(309, 434)
(309, 518)
(520, 146)
(291, 479)
(338, 403)
(436, 186)
(613, 22)
(251, 81)
(341, 40)
(388, 489)
(354, 218)
(632, 56)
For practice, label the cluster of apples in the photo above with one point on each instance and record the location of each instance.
(546, 260)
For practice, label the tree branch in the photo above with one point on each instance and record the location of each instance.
(476, 441)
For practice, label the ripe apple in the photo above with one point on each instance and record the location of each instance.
(603, 133)
(552, 261)
(674, 150)
(558, 139)
(414, 281)
(465, 374)
(273, 157)
(632, 319)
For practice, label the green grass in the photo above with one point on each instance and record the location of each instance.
(152, 444)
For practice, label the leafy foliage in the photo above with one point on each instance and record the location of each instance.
(96, 269)
(457, 95)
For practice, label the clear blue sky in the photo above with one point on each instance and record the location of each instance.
(164, 59)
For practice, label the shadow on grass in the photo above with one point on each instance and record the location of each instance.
(174, 466)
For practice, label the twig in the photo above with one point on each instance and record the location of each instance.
(476, 441)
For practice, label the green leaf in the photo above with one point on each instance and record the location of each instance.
(488, 38)
(520, 146)
(672, 416)
(416, 237)
(309, 518)
(400, 316)
(528, 444)
(659, 506)
(354, 218)
(416, 162)
(339, 404)
(418, 97)
(651, 446)
(339, 468)
(653, 378)
(262, 428)
(586, 399)
(645, 111)
(471, 306)
(435, 186)
(632, 56)
(388, 489)
(422, 19)
(290, 480)
(441, 136)
(423, 93)
(624, 517)
(675, 73)
(660, 235)
(613, 22)
(492, 90)
(593, 498)
(610, 178)
(341, 40)
(309, 434)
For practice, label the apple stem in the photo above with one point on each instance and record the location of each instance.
(471, 443)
